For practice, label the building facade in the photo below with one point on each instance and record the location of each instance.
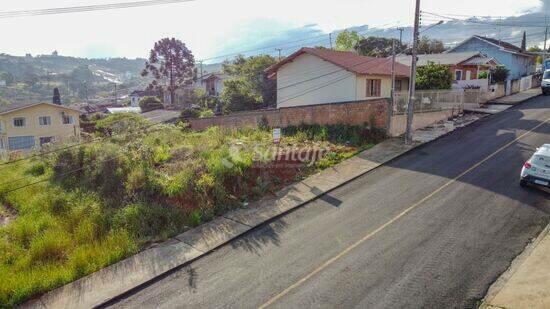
(519, 62)
(318, 76)
(30, 126)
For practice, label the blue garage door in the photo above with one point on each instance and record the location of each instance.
(21, 142)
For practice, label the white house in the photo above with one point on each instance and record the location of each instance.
(317, 76)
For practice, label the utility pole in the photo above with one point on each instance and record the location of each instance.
(279, 50)
(116, 96)
(330, 39)
(545, 35)
(392, 98)
(412, 83)
(201, 71)
(400, 29)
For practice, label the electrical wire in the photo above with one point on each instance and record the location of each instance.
(87, 8)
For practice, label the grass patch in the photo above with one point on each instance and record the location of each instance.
(102, 202)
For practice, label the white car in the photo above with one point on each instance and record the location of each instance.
(537, 169)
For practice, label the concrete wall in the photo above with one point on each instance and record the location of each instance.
(420, 120)
(483, 84)
(352, 113)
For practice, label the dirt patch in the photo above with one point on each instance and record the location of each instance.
(7, 215)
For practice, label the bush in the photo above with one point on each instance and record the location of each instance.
(434, 77)
(150, 103)
(206, 113)
(483, 75)
(190, 113)
(500, 74)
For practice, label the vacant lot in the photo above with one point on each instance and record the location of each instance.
(85, 207)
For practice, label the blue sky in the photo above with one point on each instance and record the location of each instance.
(214, 27)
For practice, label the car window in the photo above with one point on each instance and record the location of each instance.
(547, 75)
(541, 160)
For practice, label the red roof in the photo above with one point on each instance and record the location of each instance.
(349, 61)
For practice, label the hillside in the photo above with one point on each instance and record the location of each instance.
(33, 78)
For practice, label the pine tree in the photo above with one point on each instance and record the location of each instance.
(56, 97)
(524, 41)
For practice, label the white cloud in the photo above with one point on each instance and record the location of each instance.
(210, 27)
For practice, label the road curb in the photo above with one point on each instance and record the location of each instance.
(121, 279)
(501, 281)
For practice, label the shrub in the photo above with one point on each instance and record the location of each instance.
(206, 113)
(150, 103)
(190, 113)
(500, 74)
(127, 123)
(145, 221)
(37, 169)
(483, 75)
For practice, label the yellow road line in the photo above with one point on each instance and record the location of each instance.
(399, 216)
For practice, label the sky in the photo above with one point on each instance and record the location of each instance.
(211, 28)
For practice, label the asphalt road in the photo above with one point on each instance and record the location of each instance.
(432, 229)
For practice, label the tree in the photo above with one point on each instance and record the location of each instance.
(378, 47)
(56, 96)
(347, 40)
(172, 66)
(7, 77)
(434, 77)
(524, 41)
(429, 46)
(249, 83)
(500, 74)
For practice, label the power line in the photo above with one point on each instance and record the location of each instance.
(87, 8)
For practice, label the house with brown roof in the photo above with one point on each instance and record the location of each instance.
(319, 76)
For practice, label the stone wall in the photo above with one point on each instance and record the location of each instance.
(351, 113)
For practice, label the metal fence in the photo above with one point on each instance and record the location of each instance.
(437, 100)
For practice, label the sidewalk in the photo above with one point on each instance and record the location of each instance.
(518, 97)
(527, 283)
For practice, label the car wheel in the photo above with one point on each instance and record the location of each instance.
(523, 183)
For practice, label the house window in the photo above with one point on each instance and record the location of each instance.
(21, 142)
(68, 119)
(458, 75)
(46, 140)
(398, 85)
(1, 143)
(374, 87)
(19, 122)
(45, 120)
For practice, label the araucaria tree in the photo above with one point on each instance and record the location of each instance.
(171, 65)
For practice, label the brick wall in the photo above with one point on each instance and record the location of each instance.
(352, 113)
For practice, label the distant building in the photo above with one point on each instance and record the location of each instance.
(466, 67)
(29, 126)
(520, 62)
(137, 95)
(212, 84)
(317, 76)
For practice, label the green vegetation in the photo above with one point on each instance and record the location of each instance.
(248, 88)
(434, 77)
(150, 103)
(500, 74)
(104, 201)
